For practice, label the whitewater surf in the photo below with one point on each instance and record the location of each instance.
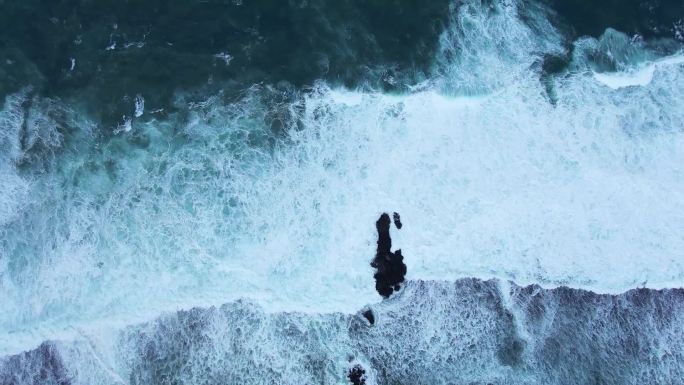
(189, 192)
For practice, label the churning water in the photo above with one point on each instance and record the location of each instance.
(181, 214)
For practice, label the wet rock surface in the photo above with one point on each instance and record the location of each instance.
(357, 375)
(397, 220)
(368, 315)
(390, 266)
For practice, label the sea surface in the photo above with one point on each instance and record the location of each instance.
(189, 191)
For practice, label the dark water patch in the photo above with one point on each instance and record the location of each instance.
(42, 366)
(647, 18)
(431, 332)
(550, 66)
(510, 352)
(617, 331)
(625, 33)
(113, 51)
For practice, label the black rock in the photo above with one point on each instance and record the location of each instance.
(368, 314)
(397, 220)
(357, 375)
(390, 266)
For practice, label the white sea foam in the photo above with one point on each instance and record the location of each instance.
(139, 106)
(637, 77)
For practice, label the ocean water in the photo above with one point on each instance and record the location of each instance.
(189, 190)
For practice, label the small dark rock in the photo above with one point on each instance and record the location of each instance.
(397, 220)
(368, 314)
(357, 375)
(43, 365)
